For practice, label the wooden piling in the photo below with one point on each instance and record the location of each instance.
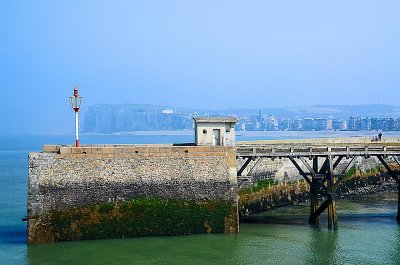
(314, 195)
(313, 207)
(398, 202)
(332, 217)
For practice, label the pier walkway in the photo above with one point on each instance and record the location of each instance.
(323, 178)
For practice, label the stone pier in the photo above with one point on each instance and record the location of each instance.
(108, 191)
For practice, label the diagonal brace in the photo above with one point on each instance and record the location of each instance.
(246, 163)
(345, 171)
(320, 210)
(302, 173)
(397, 161)
(255, 166)
(337, 162)
(389, 170)
(308, 166)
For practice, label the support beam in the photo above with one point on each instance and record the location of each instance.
(308, 166)
(349, 165)
(398, 202)
(319, 211)
(255, 166)
(397, 161)
(246, 163)
(337, 162)
(341, 177)
(304, 175)
(242, 180)
(395, 176)
(314, 195)
(389, 170)
(324, 167)
(332, 217)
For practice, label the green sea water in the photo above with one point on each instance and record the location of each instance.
(368, 232)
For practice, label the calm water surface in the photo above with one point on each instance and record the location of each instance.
(368, 232)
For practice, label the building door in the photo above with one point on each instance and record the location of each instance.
(216, 137)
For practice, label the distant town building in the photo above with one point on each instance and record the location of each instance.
(215, 131)
(284, 124)
(319, 124)
(167, 111)
(377, 124)
(339, 125)
(307, 124)
(329, 124)
(365, 124)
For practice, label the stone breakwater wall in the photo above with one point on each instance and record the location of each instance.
(71, 190)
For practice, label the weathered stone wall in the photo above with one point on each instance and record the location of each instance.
(62, 179)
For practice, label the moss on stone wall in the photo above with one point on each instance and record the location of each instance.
(137, 217)
(272, 196)
(268, 197)
(355, 174)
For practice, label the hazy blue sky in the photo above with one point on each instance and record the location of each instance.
(211, 54)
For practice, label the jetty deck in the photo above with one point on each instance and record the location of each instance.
(323, 178)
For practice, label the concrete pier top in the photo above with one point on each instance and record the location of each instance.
(326, 141)
(156, 149)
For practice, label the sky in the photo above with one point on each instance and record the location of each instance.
(200, 54)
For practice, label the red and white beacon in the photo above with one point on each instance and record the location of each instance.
(75, 103)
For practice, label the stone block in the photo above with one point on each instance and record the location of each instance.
(96, 150)
(108, 150)
(200, 149)
(167, 150)
(61, 156)
(185, 151)
(51, 148)
(86, 150)
(65, 150)
(153, 149)
(119, 150)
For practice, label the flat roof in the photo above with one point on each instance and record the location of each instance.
(215, 119)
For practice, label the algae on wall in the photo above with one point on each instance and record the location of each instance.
(259, 199)
(138, 217)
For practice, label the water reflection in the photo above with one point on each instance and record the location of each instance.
(323, 246)
(368, 234)
(196, 249)
(395, 254)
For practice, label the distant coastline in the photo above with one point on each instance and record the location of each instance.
(268, 134)
(162, 132)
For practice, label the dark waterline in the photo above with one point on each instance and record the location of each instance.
(368, 232)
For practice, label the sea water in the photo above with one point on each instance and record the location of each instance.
(368, 232)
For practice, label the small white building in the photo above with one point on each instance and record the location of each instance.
(215, 131)
(167, 111)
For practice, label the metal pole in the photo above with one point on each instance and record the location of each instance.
(75, 102)
(76, 129)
